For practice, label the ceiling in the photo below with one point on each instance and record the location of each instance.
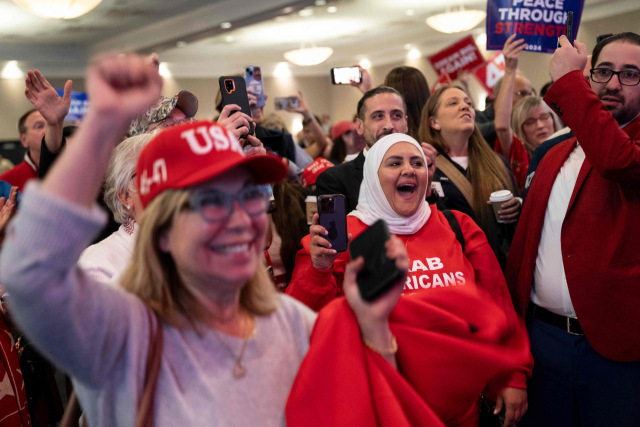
(261, 31)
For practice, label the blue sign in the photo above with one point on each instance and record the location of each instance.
(539, 22)
(79, 105)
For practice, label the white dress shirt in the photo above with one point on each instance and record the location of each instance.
(550, 288)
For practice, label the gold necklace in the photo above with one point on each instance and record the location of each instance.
(239, 371)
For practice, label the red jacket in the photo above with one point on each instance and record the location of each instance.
(437, 266)
(20, 174)
(448, 349)
(601, 230)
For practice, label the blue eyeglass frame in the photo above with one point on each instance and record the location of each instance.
(196, 199)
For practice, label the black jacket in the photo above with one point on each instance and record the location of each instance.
(343, 179)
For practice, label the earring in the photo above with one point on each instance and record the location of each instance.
(128, 207)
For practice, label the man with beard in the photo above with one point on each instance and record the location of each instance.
(574, 265)
(381, 112)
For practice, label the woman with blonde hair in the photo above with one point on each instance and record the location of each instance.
(201, 338)
(468, 171)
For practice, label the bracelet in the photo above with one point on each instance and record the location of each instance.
(384, 352)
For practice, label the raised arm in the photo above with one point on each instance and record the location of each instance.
(81, 325)
(321, 140)
(504, 102)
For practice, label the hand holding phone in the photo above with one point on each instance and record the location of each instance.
(568, 29)
(346, 76)
(234, 91)
(385, 263)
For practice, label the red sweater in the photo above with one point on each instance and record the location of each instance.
(437, 266)
(448, 349)
(19, 175)
(600, 231)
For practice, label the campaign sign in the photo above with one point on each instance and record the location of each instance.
(443, 80)
(489, 75)
(79, 105)
(539, 22)
(463, 55)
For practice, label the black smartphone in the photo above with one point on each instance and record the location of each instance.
(379, 273)
(333, 217)
(346, 75)
(234, 91)
(568, 29)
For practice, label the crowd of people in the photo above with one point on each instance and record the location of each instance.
(162, 270)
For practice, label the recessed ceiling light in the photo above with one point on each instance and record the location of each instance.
(287, 10)
(229, 39)
(181, 44)
(365, 63)
(321, 2)
(12, 71)
(407, 46)
(414, 54)
(410, 12)
(482, 39)
(282, 70)
(306, 12)
(225, 25)
(332, 9)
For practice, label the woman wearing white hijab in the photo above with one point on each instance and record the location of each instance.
(394, 186)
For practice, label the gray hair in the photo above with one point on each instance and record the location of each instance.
(121, 168)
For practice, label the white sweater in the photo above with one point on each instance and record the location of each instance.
(99, 334)
(108, 258)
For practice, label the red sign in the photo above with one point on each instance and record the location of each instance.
(444, 79)
(489, 75)
(463, 55)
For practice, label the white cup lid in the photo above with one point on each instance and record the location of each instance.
(501, 196)
(311, 199)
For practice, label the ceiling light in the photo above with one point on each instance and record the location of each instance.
(414, 54)
(280, 18)
(456, 22)
(321, 2)
(482, 39)
(181, 44)
(225, 25)
(365, 63)
(308, 56)
(229, 39)
(306, 12)
(58, 9)
(410, 12)
(282, 71)
(332, 9)
(11, 71)
(164, 70)
(287, 10)
(407, 46)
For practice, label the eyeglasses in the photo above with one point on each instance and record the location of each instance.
(523, 93)
(216, 206)
(626, 77)
(532, 121)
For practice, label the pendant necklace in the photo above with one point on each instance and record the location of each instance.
(239, 371)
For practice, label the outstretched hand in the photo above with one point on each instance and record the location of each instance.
(512, 50)
(122, 86)
(365, 84)
(8, 207)
(45, 99)
(567, 58)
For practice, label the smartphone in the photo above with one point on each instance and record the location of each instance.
(253, 78)
(234, 91)
(284, 103)
(379, 273)
(346, 75)
(568, 29)
(333, 217)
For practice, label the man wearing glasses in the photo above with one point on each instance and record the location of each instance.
(574, 266)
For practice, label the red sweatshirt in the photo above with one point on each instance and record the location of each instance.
(437, 265)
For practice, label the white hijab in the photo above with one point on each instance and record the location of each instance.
(373, 204)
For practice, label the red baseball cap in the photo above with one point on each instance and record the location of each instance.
(341, 127)
(192, 153)
(311, 173)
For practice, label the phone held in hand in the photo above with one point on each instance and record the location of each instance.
(379, 273)
(346, 75)
(568, 30)
(333, 217)
(253, 78)
(284, 103)
(234, 91)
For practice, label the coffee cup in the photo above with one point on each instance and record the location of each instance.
(312, 207)
(497, 198)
